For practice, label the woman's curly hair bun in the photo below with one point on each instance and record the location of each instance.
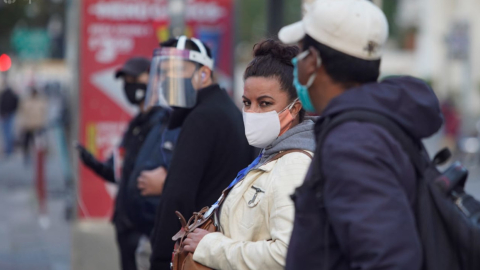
(276, 50)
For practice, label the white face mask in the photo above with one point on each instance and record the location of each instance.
(262, 129)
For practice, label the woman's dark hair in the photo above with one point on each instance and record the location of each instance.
(273, 59)
(342, 68)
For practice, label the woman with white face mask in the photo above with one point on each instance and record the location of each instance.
(256, 218)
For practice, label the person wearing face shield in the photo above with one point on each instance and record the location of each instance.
(211, 146)
(138, 166)
(357, 206)
(256, 218)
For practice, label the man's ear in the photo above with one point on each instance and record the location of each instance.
(308, 66)
(205, 74)
(313, 58)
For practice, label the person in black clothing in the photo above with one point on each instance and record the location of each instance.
(355, 209)
(147, 149)
(212, 146)
(8, 107)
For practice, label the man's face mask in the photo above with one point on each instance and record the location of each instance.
(135, 92)
(302, 90)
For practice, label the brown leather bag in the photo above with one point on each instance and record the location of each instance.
(205, 219)
(183, 260)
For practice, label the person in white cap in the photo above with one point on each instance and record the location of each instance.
(355, 209)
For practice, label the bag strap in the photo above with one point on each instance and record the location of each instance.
(276, 157)
(198, 218)
(284, 153)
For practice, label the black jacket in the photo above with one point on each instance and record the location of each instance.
(144, 145)
(8, 102)
(156, 151)
(211, 149)
(369, 184)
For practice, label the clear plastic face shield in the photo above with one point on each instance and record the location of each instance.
(173, 74)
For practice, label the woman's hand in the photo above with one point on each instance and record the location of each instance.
(190, 244)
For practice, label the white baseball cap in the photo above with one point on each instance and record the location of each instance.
(355, 27)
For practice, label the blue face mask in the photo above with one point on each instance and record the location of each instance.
(302, 90)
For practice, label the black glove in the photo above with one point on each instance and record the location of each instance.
(104, 170)
(87, 158)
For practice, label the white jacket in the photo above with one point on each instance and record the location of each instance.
(255, 230)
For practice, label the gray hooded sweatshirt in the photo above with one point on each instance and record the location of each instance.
(300, 136)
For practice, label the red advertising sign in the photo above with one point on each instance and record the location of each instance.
(212, 22)
(112, 31)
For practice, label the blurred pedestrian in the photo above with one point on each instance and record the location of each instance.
(355, 209)
(211, 146)
(33, 119)
(8, 108)
(257, 216)
(139, 166)
(452, 123)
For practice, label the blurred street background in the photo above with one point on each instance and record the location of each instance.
(54, 213)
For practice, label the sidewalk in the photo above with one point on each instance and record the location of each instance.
(94, 246)
(59, 245)
(24, 243)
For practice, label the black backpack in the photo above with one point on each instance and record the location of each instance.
(448, 219)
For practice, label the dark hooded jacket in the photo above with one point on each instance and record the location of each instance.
(367, 219)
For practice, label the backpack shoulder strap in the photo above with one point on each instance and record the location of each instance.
(414, 150)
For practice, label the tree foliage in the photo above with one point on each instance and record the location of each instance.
(252, 17)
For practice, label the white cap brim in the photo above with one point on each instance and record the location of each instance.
(292, 33)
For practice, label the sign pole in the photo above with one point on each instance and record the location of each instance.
(275, 16)
(176, 10)
(72, 59)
